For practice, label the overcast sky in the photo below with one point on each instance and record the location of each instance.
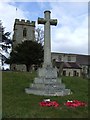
(71, 33)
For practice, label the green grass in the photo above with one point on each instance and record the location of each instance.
(18, 104)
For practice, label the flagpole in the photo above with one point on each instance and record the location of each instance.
(16, 12)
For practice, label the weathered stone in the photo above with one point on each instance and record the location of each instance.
(47, 92)
(47, 72)
(47, 83)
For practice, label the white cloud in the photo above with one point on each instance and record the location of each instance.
(8, 14)
(71, 33)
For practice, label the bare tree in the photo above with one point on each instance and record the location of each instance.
(40, 35)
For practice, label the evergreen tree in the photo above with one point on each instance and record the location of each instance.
(5, 44)
(28, 53)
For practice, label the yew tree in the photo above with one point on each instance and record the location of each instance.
(28, 53)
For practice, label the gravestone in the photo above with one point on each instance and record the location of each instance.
(47, 83)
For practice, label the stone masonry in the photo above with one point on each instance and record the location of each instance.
(47, 83)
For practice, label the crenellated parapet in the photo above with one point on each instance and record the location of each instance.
(24, 22)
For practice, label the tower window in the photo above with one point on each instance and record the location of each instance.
(24, 32)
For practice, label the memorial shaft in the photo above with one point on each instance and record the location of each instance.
(47, 83)
(47, 40)
(47, 36)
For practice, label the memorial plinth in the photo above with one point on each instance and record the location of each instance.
(47, 83)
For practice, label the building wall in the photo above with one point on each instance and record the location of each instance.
(66, 58)
(63, 57)
(69, 58)
(15, 67)
(18, 31)
(19, 37)
(55, 56)
(70, 72)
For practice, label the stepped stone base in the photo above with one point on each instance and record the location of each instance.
(47, 84)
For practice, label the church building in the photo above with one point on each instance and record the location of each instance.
(23, 30)
(67, 64)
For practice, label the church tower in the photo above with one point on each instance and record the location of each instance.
(23, 30)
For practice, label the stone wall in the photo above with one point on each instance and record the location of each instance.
(20, 67)
(19, 37)
(19, 26)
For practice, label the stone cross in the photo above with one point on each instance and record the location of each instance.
(47, 36)
(47, 83)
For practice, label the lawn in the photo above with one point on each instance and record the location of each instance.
(18, 104)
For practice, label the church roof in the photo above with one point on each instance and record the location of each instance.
(68, 65)
(74, 65)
